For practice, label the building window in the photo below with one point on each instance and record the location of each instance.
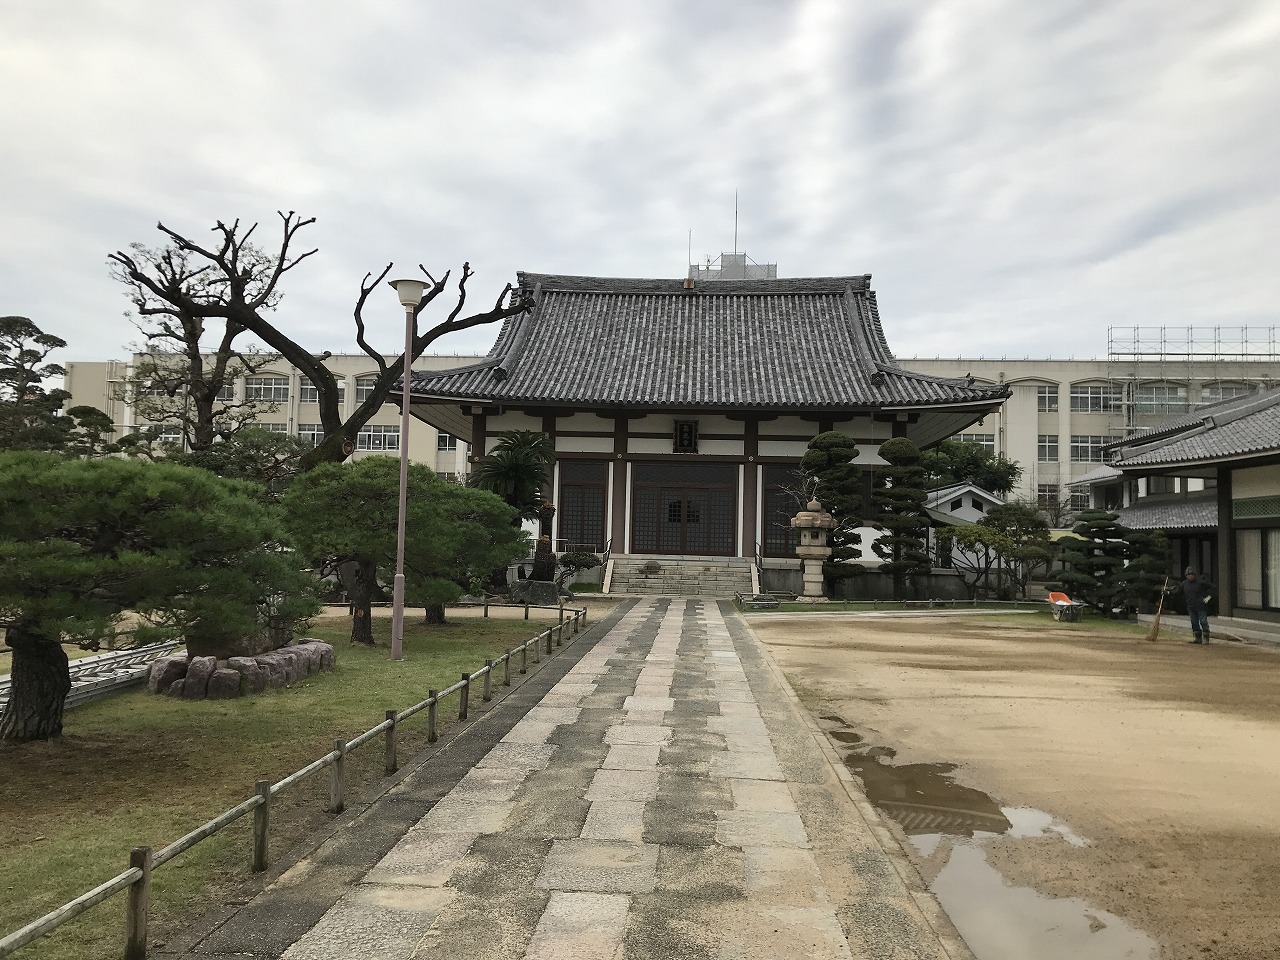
(170, 433)
(1079, 501)
(446, 443)
(379, 437)
(985, 440)
(977, 504)
(1047, 399)
(270, 427)
(957, 504)
(313, 433)
(364, 388)
(153, 390)
(1161, 398)
(226, 393)
(1047, 495)
(1158, 485)
(1088, 449)
(268, 389)
(1090, 399)
(307, 392)
(1217, 392)
(1047, 448)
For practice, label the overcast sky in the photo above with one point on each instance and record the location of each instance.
(1017, 176)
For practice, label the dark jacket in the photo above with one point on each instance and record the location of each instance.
(1196, 592)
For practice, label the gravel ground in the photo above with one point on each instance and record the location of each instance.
(1165, 756)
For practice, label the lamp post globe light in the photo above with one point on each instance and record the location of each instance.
(410, 294)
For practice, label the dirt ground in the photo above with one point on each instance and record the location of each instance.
(1165, 756)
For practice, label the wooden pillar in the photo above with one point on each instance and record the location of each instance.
(478, 427)
(619, 491)
(1225, 575)
(750, 487)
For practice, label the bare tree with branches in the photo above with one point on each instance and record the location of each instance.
(233, 281)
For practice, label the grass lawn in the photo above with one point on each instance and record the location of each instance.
(136, 769)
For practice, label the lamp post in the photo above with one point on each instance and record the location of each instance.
(410, 294)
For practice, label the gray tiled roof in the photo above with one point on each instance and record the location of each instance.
(1242, 427)
(1195, 511)
(802, 343)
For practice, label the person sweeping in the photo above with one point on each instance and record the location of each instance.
(1197, 591)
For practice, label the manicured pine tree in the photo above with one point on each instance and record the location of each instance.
(899, 499)
(829, 475)
(1097, 556)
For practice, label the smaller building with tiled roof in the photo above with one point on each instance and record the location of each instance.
(680, 408)
(1234, 448)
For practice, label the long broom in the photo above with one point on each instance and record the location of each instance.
(1154, 632)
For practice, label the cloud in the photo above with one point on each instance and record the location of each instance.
(1017, 177)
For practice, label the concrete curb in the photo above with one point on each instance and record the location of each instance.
(948, 936)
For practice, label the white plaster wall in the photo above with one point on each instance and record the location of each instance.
(784, 426)
(586, 445)
(783, 448)
(584, 421)
(862, 427)
(721, 448)
(1255, 482)
(646, 445)
(511, 420)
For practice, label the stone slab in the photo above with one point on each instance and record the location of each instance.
(600, 866)
(580, 926)
(384, 921)
(615, 820)
(639, 733)
(759, 828)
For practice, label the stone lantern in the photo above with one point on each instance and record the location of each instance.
(815, 526)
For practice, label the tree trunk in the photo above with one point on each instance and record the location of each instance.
(360, 592)
(434, 614)
(41, 679)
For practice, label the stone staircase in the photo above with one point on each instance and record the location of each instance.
(680, 576)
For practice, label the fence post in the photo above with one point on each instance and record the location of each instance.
(261, 825)
(506, 668)
(486, 609)
(135, 917)
(487, 693)
(338, 779)
(463, 696)
(562, 609)
(549, 631)
(526, 611)
(524, 657)
(537, 648)
(392, 766)
(433, 696)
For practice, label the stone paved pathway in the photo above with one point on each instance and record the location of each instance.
(665, 799)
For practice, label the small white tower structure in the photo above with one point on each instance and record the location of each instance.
(815, 526)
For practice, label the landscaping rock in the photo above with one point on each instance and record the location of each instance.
(326, 654)
(224, 684)
(199, 670)
(175, 688)
(539, 592)
(253, 676)
(166, 670)
(273, 664)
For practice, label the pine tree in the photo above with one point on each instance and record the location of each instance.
(829, 475)
(899, 499)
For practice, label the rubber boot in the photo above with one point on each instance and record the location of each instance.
(1197, 639)
(1206, 639)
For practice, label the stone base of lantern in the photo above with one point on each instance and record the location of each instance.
(812, 580)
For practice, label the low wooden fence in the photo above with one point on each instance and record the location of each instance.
(142, 860)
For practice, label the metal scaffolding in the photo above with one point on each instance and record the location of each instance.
(1156, 373)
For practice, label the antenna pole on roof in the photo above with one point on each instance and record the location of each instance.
(690, 258)
(735, 221)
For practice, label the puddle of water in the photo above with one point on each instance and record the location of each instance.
(945, 819)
